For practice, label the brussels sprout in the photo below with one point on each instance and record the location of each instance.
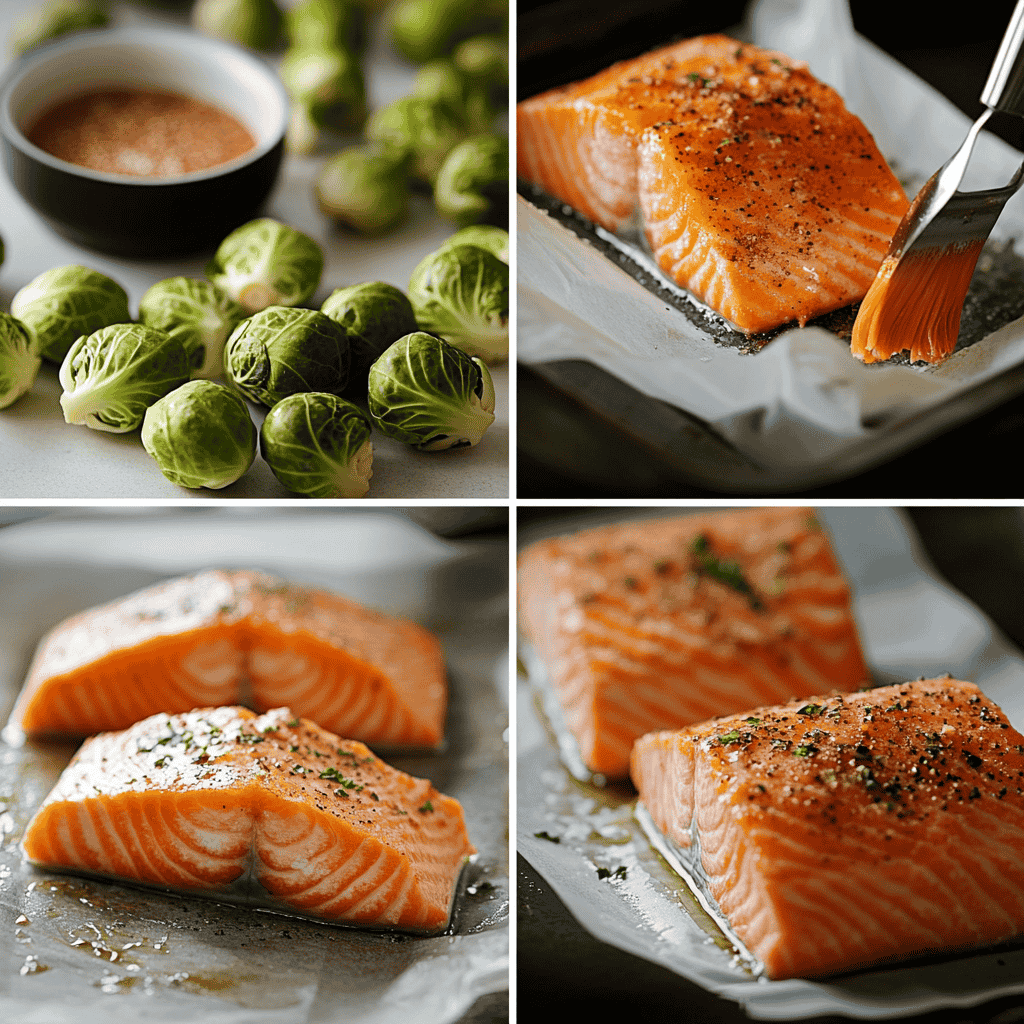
(198, 314)
(318, 445)
(281, 351)
(472, 185)
(266, 263)
(422, 130)
(64, 303)
(364, 188)
(424, 29)
(19, 362)
(201, 435)
(327, 90)
(440, 81)
(484, 59)
(486, 236)
(460, 292)
(373, 315)
(430, 394)
(112, 376)
(327, 23)
(252, 23)
(54, 19)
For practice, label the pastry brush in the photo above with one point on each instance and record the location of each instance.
(917, 296)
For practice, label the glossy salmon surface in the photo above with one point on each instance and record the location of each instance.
(850, 830)
(757, 190)
(223, 637)
(267, 809)
(660, 623)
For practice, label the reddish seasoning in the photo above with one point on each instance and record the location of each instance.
(140, 132)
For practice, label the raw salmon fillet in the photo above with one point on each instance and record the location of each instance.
(757, 190)
(223, 637)
(660, 623)
(267, 809)
(852, 830)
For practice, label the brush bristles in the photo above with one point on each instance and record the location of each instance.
(914, 304)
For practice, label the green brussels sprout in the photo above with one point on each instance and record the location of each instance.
(201, 435)
(472, 185)
(19, 362)
(460, 293)
(424, 29)
(364, 188)
(440, 81)
(430, 394)
(112, 376)
(486, 236)
(318, 445)
(64, 303)
(282, 350)
(423, 131)
(327, 23)
(327, 90)
(199, 314)
(484, 59)
(252, 23)
(56, 18)
(266, 263)
(373, 315)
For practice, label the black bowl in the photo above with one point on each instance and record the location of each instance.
(145, 217)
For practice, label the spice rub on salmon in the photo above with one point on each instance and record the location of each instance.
(660, 623)
(225, 637)
(757, 190)
(850, 830)
(268, 809)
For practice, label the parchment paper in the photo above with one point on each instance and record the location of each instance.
(88, 951)
(802, 398)
(911, 624)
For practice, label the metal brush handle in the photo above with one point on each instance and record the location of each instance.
(1004, 89)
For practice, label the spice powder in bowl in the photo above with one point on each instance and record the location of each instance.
(140, 132)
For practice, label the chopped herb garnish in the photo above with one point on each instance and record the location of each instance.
(546, 835)
(428, 806)
(292, 722)
(805, 750)
(728, 572)
(733, 736)
(753, 721)
(810, 709)
(162, 761)
(619, 872)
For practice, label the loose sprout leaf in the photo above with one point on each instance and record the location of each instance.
(266, 263)
(430, 394)
(19, 362)
(201, 435)
(112, 376)
(319, 445)
(64, 303)
(199, 314)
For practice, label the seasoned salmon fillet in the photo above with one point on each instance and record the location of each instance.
(758, 191)
(268, 809)
(220, 637)
(660, 623)
(850, 830)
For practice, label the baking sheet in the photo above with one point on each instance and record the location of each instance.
(802, 401)
(44, 457)
(96, 952)
(590, 848)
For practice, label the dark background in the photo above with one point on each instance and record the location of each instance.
(980, 551)
(565, 449)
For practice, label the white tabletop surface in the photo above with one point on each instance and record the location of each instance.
(43, 457)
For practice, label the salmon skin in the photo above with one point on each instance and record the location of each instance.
(222, 637)
(757, 190)
(850, 830)
(268, 809)
(660, 623)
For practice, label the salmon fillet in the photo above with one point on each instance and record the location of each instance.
(757, 190)
(220, 637)
(853, 830)
(660, 623)
(267, 809)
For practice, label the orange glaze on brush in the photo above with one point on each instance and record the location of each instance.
(204, 640)
(659, 623)
(271, 809)
(758, 191)
(918, 309)
(843, 832)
